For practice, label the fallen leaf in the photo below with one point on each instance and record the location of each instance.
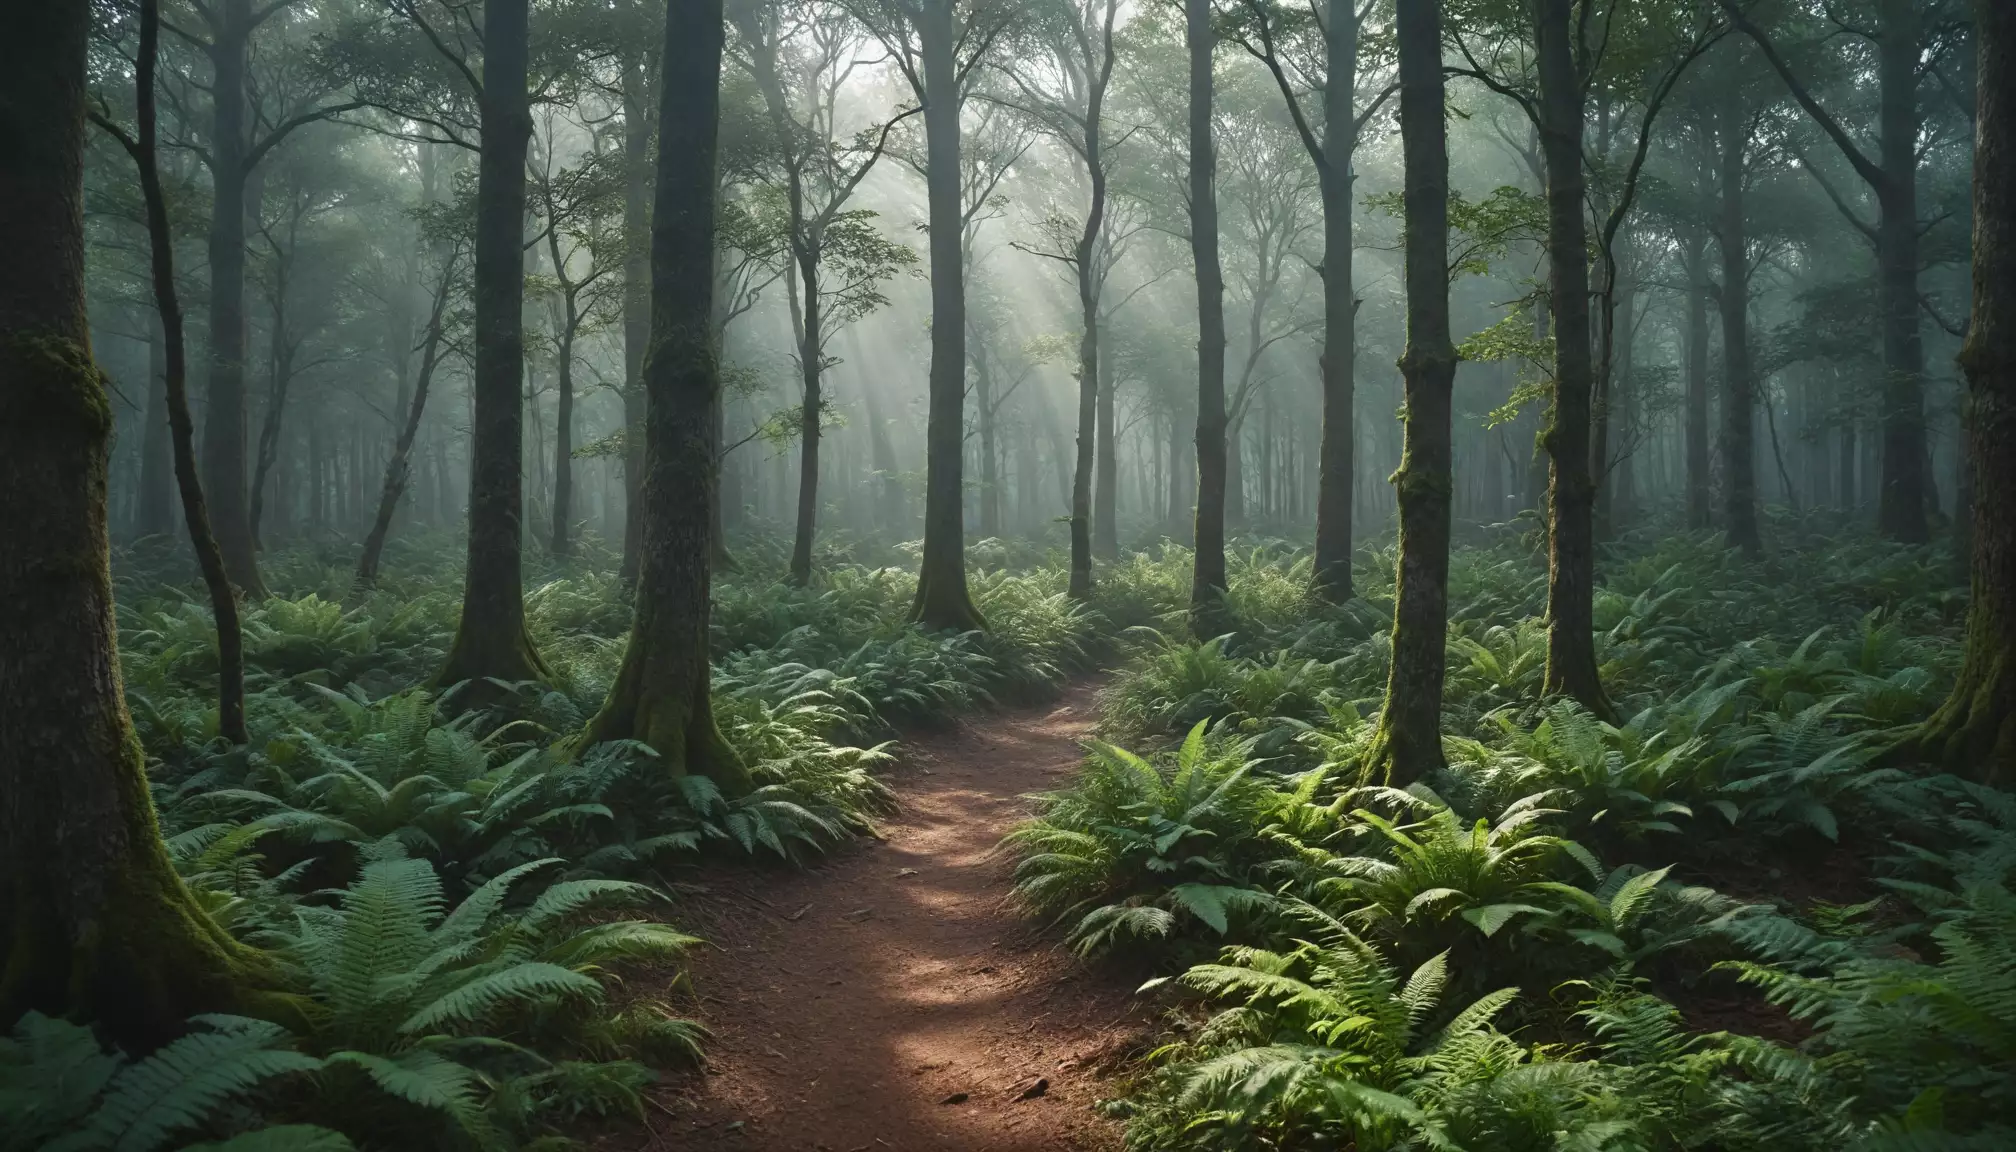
(902, 872)
(956, 1098)
(858, 915)
(799, 913)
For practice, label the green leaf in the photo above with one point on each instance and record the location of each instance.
(1491, 917)
(472, 1003)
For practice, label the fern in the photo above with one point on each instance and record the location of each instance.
(60, 1093)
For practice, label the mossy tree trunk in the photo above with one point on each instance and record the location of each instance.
(94, 922)
(1209, 612)
(1409, 737)
(491, 642)
(662, 695)
(1571, 489)
(1974, 732)
(942, 597)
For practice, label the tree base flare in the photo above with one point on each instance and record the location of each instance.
(676, 722)
(1973, 734)
(946, 605)
(143, 960)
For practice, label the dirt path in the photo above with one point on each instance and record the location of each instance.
(890, 999)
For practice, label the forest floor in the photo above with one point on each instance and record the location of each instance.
(893, 997)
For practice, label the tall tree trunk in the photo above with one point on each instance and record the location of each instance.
(1694, 257)
(985, 407)
(1893, 176)
(810, 357)
(397, 470)
(491, 643)
(942, 598)
(1106, 484)
(1571, 492)
(638, 130)
(1900, 510)
(224, 412)
(1739, 402)
(1974, 732)
(153, 513)
(563, 441)
(1088, 418)
(1090, 442)
(1621, 490)
(271, 424)
(94, 921)
(662, 695)
(1335, 464)
(1409, 737)
(1209, 613)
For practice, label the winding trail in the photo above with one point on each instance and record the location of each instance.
(892, 998)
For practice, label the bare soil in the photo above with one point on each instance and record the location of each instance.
(893, 998)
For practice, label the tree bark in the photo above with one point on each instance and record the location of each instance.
(224, 411)
(563, 439)
(1571, 491)
(990, 452)
(94, 920)
(638, 129)
(1739, 401)
(1335, 456)
(1106, 483)
(1408, 742)
(490, 642)
(810, 361)
(1974, 731)
(154, 515)
(662, 695)
(942, 598)
(1695, 259)
(1209, 613)
(1091, 444)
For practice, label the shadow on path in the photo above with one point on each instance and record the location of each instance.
(851, 1001)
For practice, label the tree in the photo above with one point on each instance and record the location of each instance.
(1892, 175)
(1278, 38)
(1733, 130)
(236, 144)
(1063, 90)
(1564, 61)
(94, 920)
(800, 54)
(1208, 610)
(440, 225)
(141, 146)
(490, 641)
(662, 694)
(579, 205)
(1974, 731)
(1409, 737)
(938, 45)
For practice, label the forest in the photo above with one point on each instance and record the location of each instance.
(791, 575)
